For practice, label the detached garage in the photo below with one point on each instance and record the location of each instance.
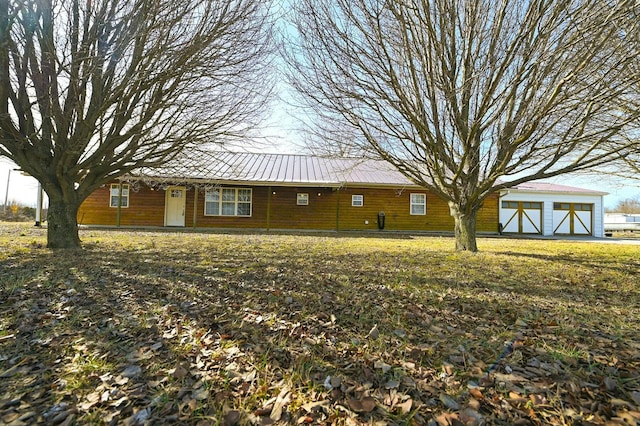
(539, 208)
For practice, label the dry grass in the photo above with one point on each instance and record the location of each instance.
(237, 329)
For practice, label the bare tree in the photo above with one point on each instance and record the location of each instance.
(330, 139)
(466, 97)
(92, 89)
(628, 206)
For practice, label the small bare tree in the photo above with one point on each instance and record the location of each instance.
(466, 97)
(92, 89)
(628, 206)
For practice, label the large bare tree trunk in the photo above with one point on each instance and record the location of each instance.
(465, 227)
(62, 219)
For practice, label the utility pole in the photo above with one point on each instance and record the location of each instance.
(39, 205)
(6, 194)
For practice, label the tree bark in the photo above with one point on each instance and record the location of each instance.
(62, 228)
(465, 227)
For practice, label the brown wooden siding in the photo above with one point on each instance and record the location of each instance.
(276, 208)
(319, 214)
(489, 214)
(394, 203)
(146, 208)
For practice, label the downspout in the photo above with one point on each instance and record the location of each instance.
(196, 189)
(601, 233)
(338, 209)
(39, 205)
(500, 224)
(119, 211)
(269, 208)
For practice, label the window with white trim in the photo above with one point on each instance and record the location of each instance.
(302, 199)
(418, 204)
(227, 202)
(357, 200)
(115, 195)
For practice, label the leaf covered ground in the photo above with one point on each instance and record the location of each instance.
(187, 328)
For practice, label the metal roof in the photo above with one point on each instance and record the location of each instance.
(282, 169)
(553, 187)
(303, 170)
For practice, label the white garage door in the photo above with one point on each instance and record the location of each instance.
(521, 217)
(572, 219)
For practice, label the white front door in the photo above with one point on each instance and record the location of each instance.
(175, 203)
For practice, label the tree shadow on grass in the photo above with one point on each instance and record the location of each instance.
(219, 333)
(373, 233)
(576, 260)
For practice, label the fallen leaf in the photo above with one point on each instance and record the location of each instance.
(336, 381)
(232, 418)
(405, 407)
(140, 417)
(610, 384)
(391, 384)
(282, 400)
(311, 406)
(474, 403)
(616, 402)
(193, 405)
(90, 400)
(121, 380)
(374, 333)
(264, 411)
(200, 394)
(131, 371)
(68, 420)
(13, 370)
(327, 383)
(364, 405)
(476, 393)
(382, 366)
(250, 376)
(537, 399)
(471, 417)
(400, 333)
(179, 372)
(9, 417)
(446, 419)
(449, 402)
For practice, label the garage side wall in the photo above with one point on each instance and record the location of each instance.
(548, 199)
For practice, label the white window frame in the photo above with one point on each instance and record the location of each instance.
(357, 200)
(302, 199)
(414, 204)
(221, 202)
(114, 195)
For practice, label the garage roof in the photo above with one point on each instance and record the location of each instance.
(552, 187)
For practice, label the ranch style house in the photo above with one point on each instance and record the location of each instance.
(300, 192)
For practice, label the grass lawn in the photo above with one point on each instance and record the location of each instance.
(186, 328)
